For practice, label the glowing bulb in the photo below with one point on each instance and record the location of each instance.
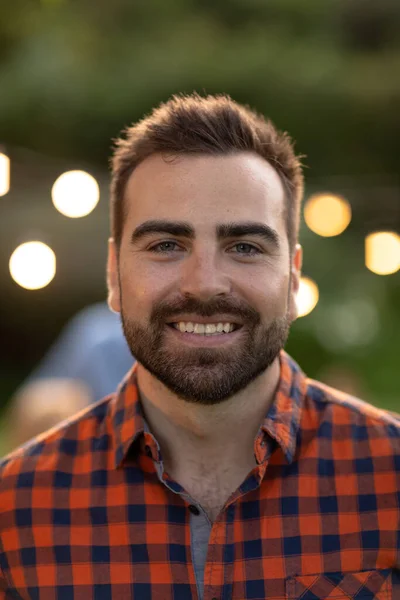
(75, 194)
(307, 296)
(327, 215)
(4, 174)
(382, 252)
(33, 265)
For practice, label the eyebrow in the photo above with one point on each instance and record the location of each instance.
(249, 228)
(224, 231)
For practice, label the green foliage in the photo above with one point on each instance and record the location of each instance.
(73, 73)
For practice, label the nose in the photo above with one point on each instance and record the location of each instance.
(203, 276)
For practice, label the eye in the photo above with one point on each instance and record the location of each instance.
(246, 249)
(164, 247)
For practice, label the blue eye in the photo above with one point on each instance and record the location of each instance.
(163, 247)
(246, 249)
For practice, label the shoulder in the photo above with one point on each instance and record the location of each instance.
(96, 321)
(57, 451)
(93, 314)
(348, 416)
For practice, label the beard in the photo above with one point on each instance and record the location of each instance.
(206, 376)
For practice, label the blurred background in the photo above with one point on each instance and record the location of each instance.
(73, 74)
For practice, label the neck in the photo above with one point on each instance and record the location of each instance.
(187, 430)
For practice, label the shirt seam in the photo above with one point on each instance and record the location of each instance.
(329, 398)
(7, 577)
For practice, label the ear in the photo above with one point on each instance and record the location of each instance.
(295, 274)
(114, 294)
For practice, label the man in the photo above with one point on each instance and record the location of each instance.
(217, 470)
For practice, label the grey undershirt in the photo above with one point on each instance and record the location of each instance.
(200, 528)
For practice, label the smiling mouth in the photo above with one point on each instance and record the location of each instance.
(205, 329)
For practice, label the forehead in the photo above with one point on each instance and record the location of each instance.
(204, 190)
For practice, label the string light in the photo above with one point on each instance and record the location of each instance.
(33, 265)
(327, 214)
(75, 194)
(4, 174)
(307, 296)
(382, 252)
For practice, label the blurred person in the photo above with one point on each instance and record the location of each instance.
(39, 405)
(85, 363)
(217, 469)
(90, 349)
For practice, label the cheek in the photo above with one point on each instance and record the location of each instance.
(268, 295)
(142, 287)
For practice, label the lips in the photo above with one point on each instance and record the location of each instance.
(203, 339)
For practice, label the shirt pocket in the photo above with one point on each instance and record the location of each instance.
(361, 585)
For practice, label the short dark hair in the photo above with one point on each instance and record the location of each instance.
(213, 125)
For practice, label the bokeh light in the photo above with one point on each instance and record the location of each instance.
(307, 296)
(327, 214)
(75, 194)
(33, 265)
(348, 323)
(382, 252)
(4, 174)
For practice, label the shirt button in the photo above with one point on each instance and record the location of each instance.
(194, 510)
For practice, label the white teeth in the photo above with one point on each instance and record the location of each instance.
(204, 328)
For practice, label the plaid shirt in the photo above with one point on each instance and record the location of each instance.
(84, 515)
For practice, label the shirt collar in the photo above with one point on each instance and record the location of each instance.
(281, 422)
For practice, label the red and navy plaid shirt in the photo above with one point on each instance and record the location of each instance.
(84, 515)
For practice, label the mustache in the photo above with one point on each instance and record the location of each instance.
(216, 306)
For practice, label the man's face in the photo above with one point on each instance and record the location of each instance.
(204, 247)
